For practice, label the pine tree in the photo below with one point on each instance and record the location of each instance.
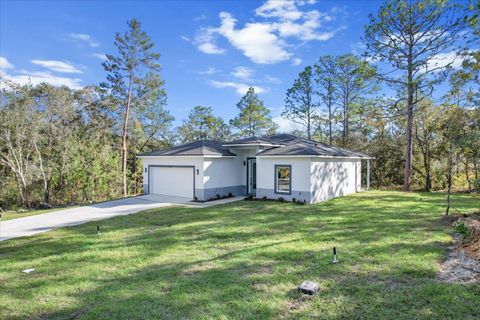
(254, 118)
(133, 79)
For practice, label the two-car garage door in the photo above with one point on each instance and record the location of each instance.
(171, 181)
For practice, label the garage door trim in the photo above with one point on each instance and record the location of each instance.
(171, 166)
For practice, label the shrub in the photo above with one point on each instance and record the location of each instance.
(461, 228)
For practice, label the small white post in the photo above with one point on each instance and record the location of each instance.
(368, 174)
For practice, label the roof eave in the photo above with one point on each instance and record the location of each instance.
(186, 155)
(252, 145)
(310, 156)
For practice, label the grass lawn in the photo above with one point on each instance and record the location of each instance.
(244, 260)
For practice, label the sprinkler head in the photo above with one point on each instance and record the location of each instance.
(334, 260)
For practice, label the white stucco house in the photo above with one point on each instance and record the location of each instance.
(274, 166)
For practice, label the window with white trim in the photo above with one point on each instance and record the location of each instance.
(283, 179)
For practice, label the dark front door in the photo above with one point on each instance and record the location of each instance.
(252, 177)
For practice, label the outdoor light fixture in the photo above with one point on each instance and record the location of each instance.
(244, 163)
(334, 255)
(146, 169)
(198, 171)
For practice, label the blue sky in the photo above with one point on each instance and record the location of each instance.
(211, 50)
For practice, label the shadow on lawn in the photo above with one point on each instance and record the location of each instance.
(255, 255)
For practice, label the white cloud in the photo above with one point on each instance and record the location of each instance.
(205, 41)
(284, 10)
(100, 56)
(284, 125)
(200, 17)
(265, 42)
(241, 88)
(185, 38)
(56, 65)
(85, 38)
(296, 61)
(4, 64)
(271, 79)
(257, 40)
(243, 73)
(210, 48)
(209, 71)
(442, 60)
(35, 78)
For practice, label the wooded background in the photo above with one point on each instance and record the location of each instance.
(62, 146)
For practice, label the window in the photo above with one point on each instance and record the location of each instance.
(283, 179)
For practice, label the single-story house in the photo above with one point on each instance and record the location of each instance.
(275, 166)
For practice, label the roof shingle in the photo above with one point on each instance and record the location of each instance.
(198, 148)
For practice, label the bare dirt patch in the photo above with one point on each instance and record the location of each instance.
(463, 262)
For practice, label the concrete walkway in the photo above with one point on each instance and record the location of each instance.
(27, 226)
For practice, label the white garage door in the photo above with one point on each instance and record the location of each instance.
(171, 181)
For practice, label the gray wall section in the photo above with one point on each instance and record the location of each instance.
(206, 194)
(298, 195)
(211, 193)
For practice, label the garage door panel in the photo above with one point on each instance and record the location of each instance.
(171, 181)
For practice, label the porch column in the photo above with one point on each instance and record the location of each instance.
(368, 174)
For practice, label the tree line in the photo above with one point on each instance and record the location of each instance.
(62, 146)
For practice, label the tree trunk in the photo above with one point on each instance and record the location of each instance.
(467, 175)
(124, 138)
(135, 186)
(475, 172)
(309, 120)
(330, 120)
(449, 176)
(428, 178)
(344, 132)
(408, 148)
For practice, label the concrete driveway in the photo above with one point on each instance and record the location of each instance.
(27, 226)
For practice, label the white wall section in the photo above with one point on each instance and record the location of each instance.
(332, 178)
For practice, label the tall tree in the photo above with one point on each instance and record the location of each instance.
(133, 78)
(427, 138)
(411, 36)
(325, 77)
(453, 126)
(300, 106)
(353, 81)
(201, 124)
(254, 118)
(18, 136)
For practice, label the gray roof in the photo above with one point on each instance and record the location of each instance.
(252, 140)
(285, 145)
(295, 146)
(198, 148)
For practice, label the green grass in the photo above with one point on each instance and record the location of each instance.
(244, 261)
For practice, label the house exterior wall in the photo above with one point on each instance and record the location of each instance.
(332, 178)
(312, 179)
(197, 162)
(300, 178)
(222, 176)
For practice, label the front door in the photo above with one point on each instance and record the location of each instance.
(252, 177)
